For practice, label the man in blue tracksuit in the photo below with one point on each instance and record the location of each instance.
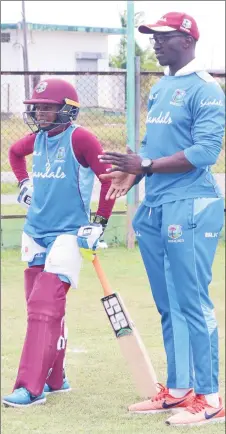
(179, 222)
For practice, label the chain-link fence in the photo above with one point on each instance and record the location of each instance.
(102, 99)
(103, 110)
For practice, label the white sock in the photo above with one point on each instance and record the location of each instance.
(213, 399)
(178, 393)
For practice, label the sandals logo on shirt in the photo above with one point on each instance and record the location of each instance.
(174, 233)
(58, 174)
(178, 97)
(162, 118)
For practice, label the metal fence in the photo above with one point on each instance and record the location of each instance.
(103, 110)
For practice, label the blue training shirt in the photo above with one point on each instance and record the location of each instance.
(186, 112)
(62, 192)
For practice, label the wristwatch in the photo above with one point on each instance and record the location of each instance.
(146, 164)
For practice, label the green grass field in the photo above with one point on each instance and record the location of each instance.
(102, 386)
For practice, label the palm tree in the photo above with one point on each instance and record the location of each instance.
(147, 57)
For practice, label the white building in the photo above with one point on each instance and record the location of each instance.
(57, 48)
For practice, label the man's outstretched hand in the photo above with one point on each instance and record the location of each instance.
(121, 183)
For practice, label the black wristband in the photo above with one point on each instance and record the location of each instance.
(150, 174)
(100, 220)
(147, 171)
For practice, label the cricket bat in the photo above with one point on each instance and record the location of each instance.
(128, 338)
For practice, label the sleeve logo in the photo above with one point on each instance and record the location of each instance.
(212, 102)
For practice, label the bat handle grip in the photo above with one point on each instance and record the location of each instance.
(101, 275)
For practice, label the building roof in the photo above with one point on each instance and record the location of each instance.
(66, 28)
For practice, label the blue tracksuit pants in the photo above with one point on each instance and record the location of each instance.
(178, 241)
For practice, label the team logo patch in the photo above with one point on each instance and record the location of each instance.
(60, 153)
(41, 87)
(174, 231)
(178, 97)
(186, 25)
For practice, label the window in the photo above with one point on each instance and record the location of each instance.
(5, 37)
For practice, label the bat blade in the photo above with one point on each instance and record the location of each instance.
(128, 338)
(131, 345)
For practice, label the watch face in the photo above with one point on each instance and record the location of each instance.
(146, 162)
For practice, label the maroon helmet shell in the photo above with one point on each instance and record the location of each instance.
(53, 91)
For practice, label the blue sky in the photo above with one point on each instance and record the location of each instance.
(210, 16)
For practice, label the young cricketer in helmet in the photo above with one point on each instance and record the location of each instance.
(65, 160)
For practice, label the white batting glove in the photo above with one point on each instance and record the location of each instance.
(26, 191)
(88, 236)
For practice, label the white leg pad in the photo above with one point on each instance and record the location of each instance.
(65, 258)
(30, 248)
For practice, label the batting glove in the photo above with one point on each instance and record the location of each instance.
(26, 191)
(88, 236)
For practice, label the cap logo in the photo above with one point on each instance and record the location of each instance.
(41, 87)
(186, 24)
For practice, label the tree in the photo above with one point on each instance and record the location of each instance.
(147, 58)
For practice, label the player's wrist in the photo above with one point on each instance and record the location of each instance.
(20, 183)
(101, 221)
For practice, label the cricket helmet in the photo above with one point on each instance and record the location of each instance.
(53, 91)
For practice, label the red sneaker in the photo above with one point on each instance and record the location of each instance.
(162, 402)
(198, 413)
